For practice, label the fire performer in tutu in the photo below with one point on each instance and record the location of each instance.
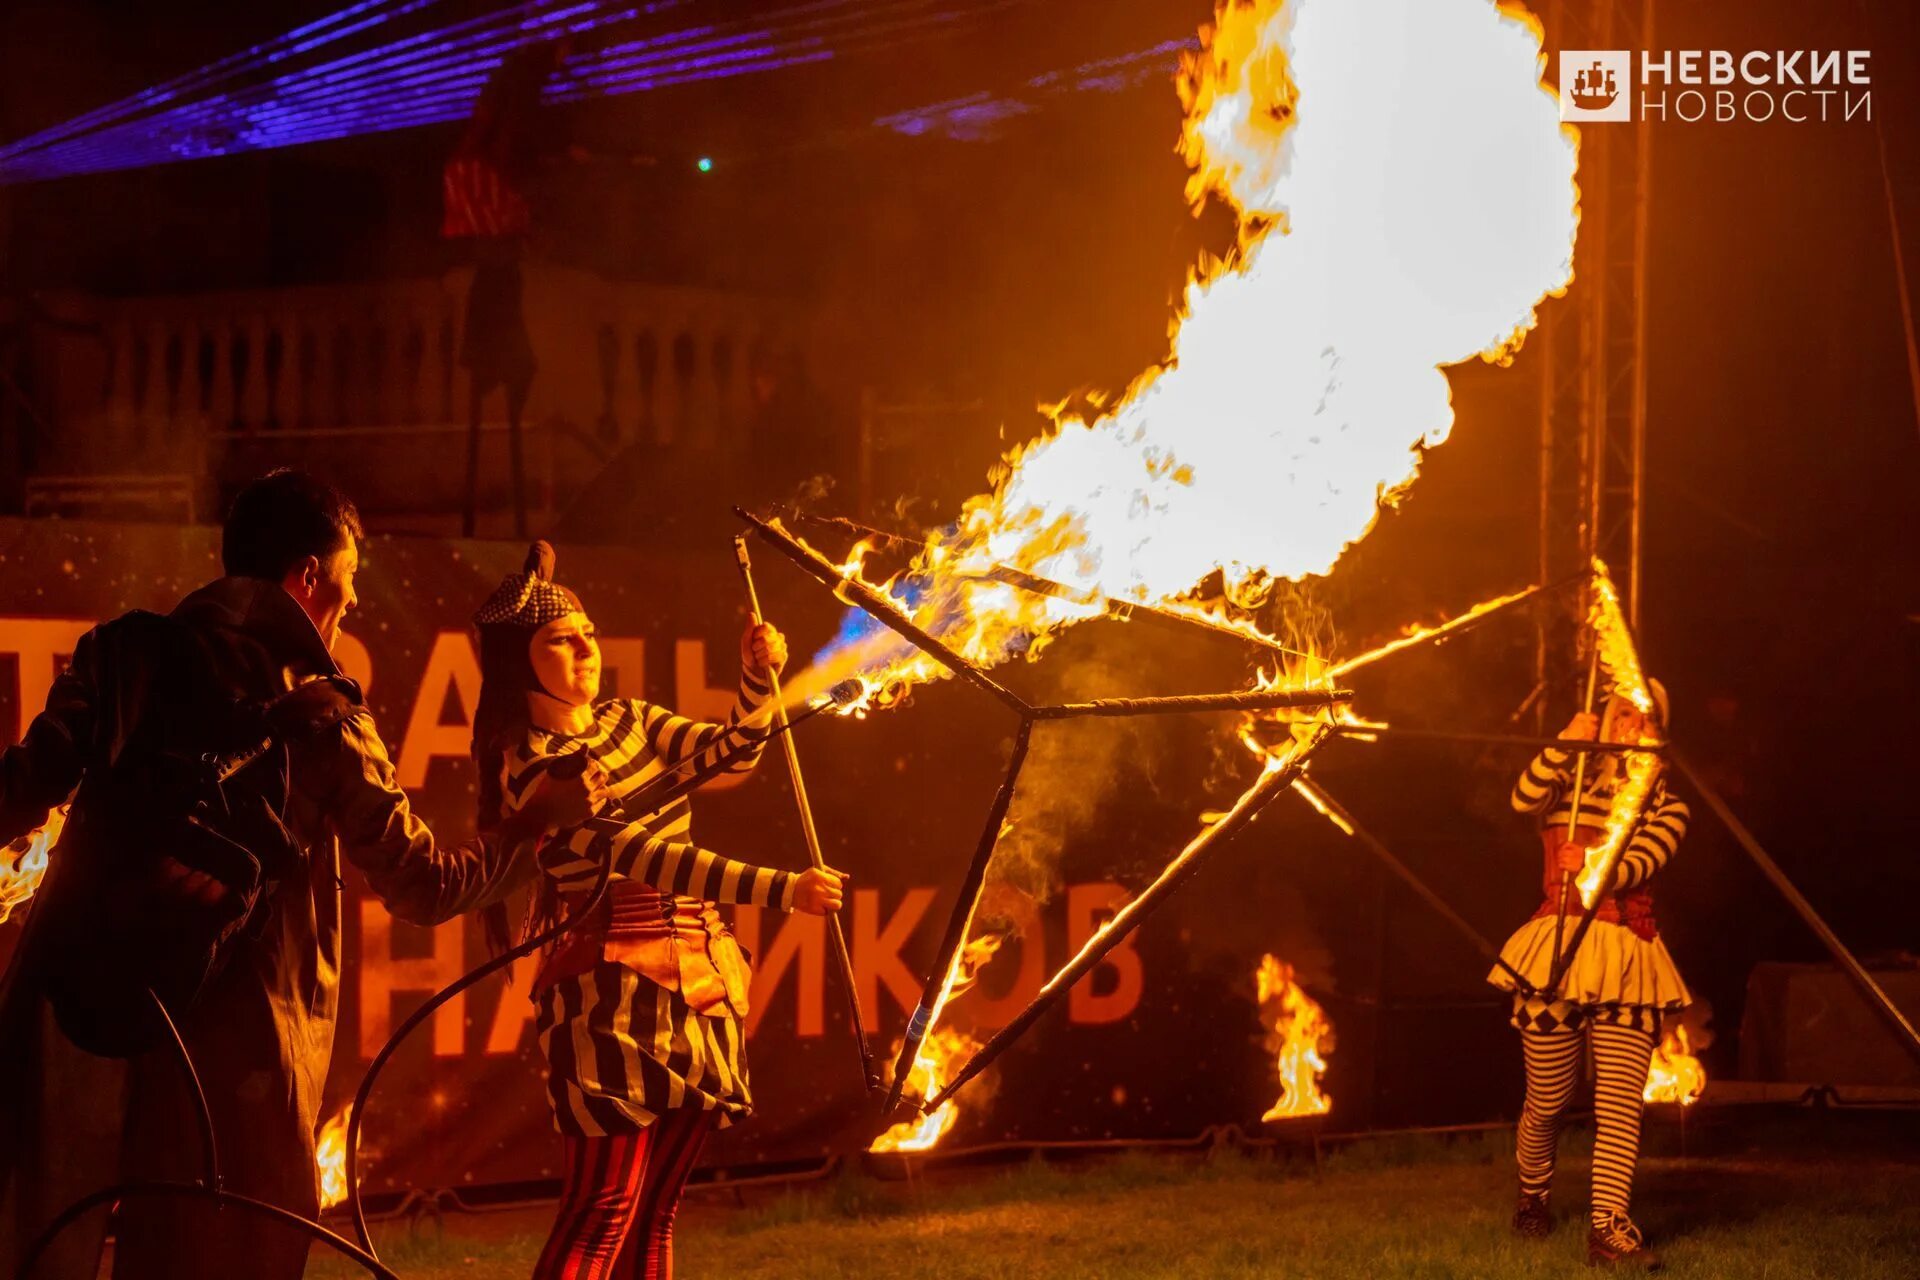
(1615, 990)
(641, 1009)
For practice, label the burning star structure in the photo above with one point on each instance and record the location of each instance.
(1379, 243)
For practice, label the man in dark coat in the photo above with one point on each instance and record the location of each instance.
(261, 1032)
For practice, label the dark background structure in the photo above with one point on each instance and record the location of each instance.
(1035, 255)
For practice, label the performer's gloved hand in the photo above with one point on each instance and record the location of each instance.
(763, 650)
(819, 891)
(1584, 724)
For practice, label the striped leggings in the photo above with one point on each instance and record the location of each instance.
(616, 1206)
(1620, 1056)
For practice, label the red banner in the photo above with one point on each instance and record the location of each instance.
(1163, 1038)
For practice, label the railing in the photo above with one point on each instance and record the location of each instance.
(183, 384)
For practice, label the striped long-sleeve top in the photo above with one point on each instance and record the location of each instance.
(1546, 789)
(635, 742)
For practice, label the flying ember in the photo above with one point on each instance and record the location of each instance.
(1378, 245)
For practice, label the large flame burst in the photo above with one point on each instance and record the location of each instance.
(24, 862)
(1300, 1036)
(1405, 194)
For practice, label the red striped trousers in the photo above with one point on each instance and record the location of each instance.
(618, 1200)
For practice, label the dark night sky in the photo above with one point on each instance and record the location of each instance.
(1783, 566)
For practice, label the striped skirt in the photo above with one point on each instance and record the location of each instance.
(1616, 977)
(621, 1049)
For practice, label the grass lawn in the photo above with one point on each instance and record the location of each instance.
(1771, 1202)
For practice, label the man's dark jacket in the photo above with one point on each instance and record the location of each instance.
(262, 1031)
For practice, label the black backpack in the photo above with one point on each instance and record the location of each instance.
(199, 775)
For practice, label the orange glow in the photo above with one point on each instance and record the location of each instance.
(1675, 1075)
(330, 1157)
(24, 862)
(1300, 1036)
(1311, 794)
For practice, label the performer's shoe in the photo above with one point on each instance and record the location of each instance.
(1613, 1241)
(1532, 1219)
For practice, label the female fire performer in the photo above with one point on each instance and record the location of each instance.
(641, 1008)
(1615, 990)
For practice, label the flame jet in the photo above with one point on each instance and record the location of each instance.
(1406, 198)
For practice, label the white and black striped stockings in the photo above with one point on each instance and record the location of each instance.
(1621, 1055)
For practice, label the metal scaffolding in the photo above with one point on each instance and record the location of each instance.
(1592, 371)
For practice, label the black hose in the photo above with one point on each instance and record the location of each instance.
(191, 1191)
(420, 1015)
(211, 1179)
(209, 1188)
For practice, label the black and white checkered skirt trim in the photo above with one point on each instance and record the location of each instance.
(1537, 1013)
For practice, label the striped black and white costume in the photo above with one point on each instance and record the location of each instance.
(1622, 973)
(641, 1009)
(1614, 994)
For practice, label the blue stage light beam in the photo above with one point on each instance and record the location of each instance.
(482, 41)
(300, 40)
(435, 76)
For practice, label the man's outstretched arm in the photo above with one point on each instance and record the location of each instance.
(422, 879)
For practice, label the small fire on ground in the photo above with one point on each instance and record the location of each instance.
(1300, 1036)
(330, 1157)
(941, 1054)
(24, 862)
(1675, 1075)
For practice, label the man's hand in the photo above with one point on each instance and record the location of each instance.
(819, 891)
(1571, 858)
(557, 803)
(183, 881)
(1584, 724)
(763, 650)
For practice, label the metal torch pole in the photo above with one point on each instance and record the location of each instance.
(1573, 814)
(842, 959)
